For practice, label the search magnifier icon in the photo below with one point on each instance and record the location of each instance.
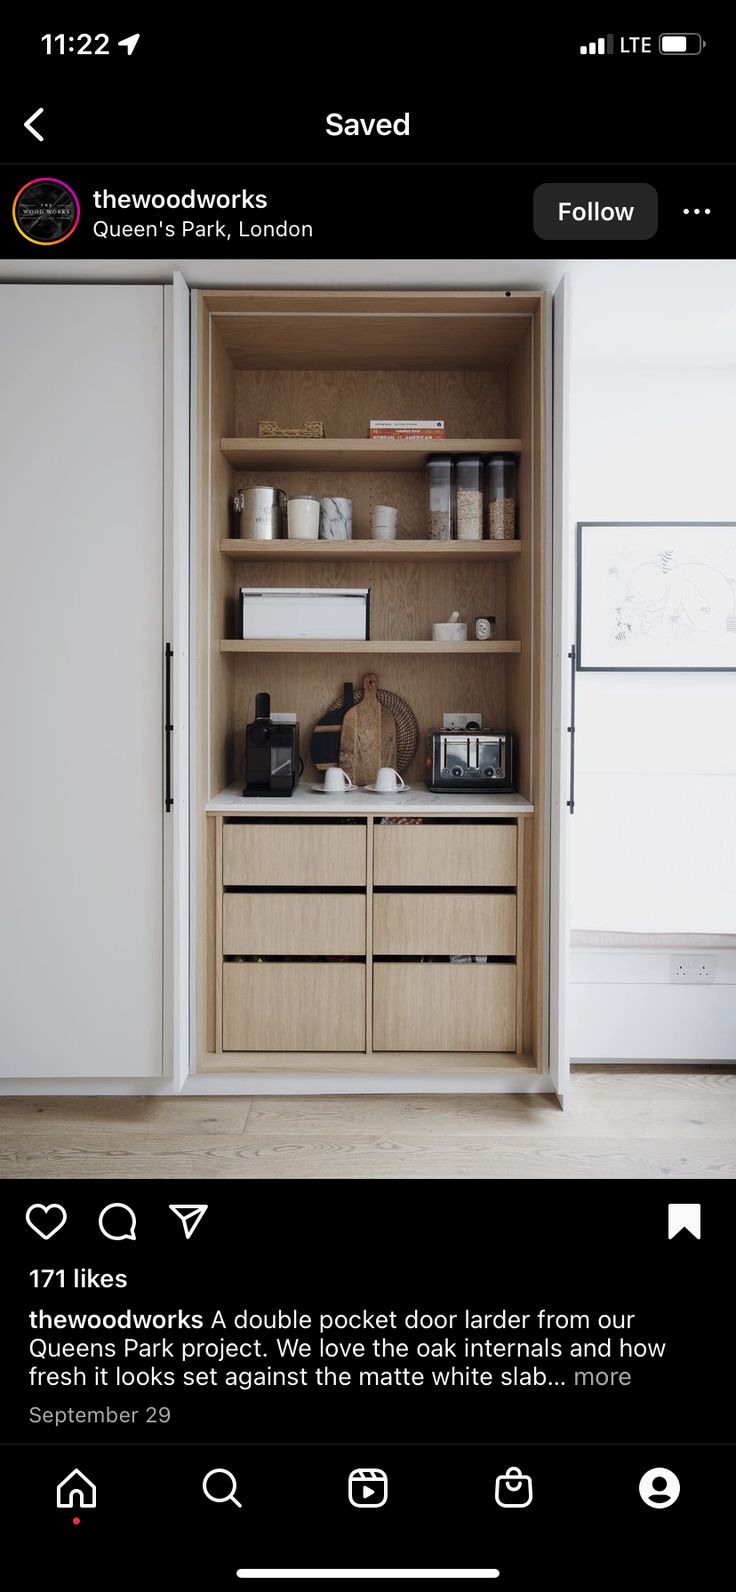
(217, 1496)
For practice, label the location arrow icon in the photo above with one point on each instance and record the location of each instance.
(129, 44)
(190, 1216)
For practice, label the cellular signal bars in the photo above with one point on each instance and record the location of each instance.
(603, 46)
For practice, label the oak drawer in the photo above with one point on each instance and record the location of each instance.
(293, 1006)
(444, 1006)
(293, 925)
(293, 853)
(444, 854)
(444, 925)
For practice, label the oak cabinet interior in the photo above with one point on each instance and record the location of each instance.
(376, 899)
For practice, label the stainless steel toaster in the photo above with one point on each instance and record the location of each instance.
(461, 762)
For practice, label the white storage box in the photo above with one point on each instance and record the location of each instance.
(315, 613)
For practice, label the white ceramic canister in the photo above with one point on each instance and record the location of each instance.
(336, 519)
(303, 517)
(383, 523)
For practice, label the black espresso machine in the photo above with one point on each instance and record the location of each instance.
(272, 761)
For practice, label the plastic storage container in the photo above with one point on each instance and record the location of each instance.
(439, 483)
(502, 496)
(469, 498)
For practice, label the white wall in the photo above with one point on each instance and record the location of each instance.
(653, 839)
(655, 836)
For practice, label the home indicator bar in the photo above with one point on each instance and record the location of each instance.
(368, 1575)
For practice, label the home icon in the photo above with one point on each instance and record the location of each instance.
(76, 1492)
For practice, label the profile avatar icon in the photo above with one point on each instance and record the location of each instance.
(659, 1488)
(46, 211)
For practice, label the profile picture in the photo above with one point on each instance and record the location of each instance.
(46, 211)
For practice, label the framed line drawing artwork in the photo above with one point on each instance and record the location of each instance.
(656, 594)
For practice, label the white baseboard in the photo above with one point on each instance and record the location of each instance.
(263, 1083)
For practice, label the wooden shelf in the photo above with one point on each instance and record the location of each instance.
(371, 647)
(440, 1063)
(351, 453)
(364, 549)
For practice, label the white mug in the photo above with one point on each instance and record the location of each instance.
(387, 779)
(337, 780)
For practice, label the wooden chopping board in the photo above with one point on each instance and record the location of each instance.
(368, 739)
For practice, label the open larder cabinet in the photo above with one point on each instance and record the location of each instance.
(327, 935)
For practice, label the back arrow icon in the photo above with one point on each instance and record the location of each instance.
(30, 126)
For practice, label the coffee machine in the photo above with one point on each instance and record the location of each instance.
(272, 761)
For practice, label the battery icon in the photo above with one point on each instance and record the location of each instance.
(680, 43)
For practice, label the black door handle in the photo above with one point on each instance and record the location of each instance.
(168, 728)
(571, 730)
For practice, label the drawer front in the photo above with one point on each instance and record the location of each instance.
(444, 925)
(293, 853)
(444, 1006)
(447, 854)
(293, 925)
(293, 1006)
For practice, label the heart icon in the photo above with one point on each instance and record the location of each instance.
(42, 1218)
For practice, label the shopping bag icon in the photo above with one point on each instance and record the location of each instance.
(514, 1489)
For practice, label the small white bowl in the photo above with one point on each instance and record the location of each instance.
(449, 632)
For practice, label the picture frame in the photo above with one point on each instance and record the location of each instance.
(656, 596)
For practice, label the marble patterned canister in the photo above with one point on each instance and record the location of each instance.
(336, 519)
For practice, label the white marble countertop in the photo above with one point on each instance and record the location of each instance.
(414, 802)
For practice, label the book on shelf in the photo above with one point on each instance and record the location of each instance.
(407, 430)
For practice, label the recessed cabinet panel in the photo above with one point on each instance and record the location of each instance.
(265, 924)
(445, 854)
(326, 855)
(293, 1006)
(444, 925)
(444, 1006)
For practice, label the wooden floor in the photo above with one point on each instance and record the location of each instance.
(619, 1123)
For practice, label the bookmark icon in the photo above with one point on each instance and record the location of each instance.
(190, 1216)
(683, 1218)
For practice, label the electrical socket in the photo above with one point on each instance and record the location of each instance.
(692, 969)
(455, 722)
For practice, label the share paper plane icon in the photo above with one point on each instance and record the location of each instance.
(129, 44)
(190, 1216)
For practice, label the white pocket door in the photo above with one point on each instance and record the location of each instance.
(563, 707)
(82, 603)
